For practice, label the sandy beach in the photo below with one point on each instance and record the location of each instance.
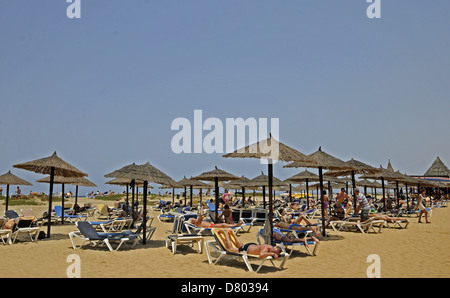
(420, 250)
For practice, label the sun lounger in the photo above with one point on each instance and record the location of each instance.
(401, 223)
(219, 247)
(87, 233)
(5, 234)
(193, 229)
(293, 245)
(71, 218)
(180, 239)
(24, 226)
(28, 212)
(364, 227)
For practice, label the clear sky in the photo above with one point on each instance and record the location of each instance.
(103, 90)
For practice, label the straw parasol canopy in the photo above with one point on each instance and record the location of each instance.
(55, 166)
(270, 150)
(217, 175)
(438, 169)
(305, 176)
(77, 181)
(11, 179)
(322, 161)
(241, 182)
(263, 181)
(126, 182)
(45, 166)
(383, 175)
(185, 182)
(80, 181)
(147, 173)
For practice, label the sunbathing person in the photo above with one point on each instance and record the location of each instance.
(278, 236)
(298, 227)
(205, 224)
(234, 244)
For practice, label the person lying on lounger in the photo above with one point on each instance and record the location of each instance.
(234, 244)
(208, 225)
(295, 224)
(278, 236)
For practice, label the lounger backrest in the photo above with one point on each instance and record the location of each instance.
(88, 230)
(11, 214)
(27, 212)
(24, 223)
(58, 210)
(220, 238)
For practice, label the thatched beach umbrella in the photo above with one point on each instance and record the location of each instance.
(11, 179)
(77, 181)
(383, 175)
(305, 176)
(191, 183)
(242, 183)
(263, 181)
(438, 169)
(147, 173)
(322, 161)
(216, 175)
(128, 183)
(270, 150)
(357, 167)
(55, 166)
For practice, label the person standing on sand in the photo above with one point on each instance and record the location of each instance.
(421, 207)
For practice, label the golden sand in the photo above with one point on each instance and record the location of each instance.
(420, 250)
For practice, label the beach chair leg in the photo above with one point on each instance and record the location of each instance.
(106, 241)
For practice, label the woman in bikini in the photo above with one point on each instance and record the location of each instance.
(208, 225)
(421, 207)
(234, 244)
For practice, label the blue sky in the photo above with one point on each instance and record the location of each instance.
(103, 90)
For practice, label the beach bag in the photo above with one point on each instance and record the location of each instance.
(41, 235)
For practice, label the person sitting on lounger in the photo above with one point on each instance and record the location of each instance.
(208, 225)
(339, 213)
(234, 244)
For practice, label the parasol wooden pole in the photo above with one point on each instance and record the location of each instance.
(321, 201)
(76, 194)
(353, 191)
(128, 210)
(7, 196)
(307, 194)
(290, 192)
(216, 190)
(62, 203)
(50, 197)
(144, 219)
(270, 170)
(191, 194)
(264, 197)
(132, 198)
(173, 195)
(384, 198)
